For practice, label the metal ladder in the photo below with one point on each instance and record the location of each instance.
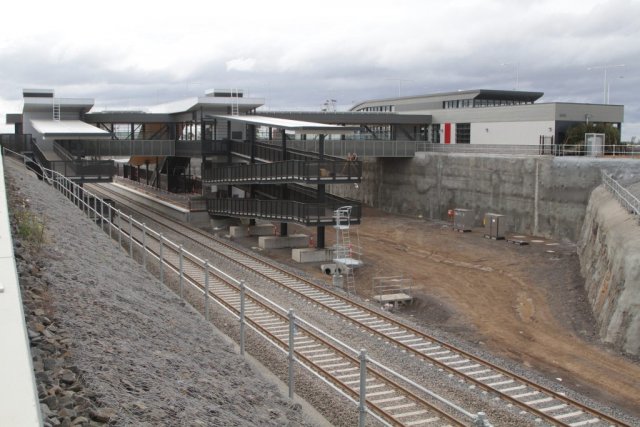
(56, 110)
(343, 248)
(235, 105)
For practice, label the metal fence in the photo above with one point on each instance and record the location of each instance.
(279, 210)
(121, 227)
(119, 147)
(628, 201)
(625, 150)
(363, 148)
(300, 170)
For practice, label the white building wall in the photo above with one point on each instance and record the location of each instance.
(521, 133)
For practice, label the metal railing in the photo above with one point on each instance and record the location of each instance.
(529, 149)
(628, 201)
(119, 147)
(292, 170)
(115, 221)
(279, 210)
(364, 148)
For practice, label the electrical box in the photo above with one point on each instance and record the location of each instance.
(494, 226)
(463, 219)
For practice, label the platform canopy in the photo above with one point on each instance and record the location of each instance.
(68, 129)
(289, 125)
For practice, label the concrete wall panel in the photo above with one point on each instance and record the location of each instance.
(545, 196)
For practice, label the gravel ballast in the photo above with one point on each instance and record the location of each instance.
(112, 345)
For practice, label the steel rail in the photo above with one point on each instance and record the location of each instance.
(152, 243)
(207, 242)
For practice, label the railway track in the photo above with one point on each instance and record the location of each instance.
(544, 403)
(393, 402)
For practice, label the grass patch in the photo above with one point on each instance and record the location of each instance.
(30, 227)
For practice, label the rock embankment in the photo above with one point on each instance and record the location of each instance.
(609, 250)
(111, 345)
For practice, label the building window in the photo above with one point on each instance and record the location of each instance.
(463, 133)
(435, 133)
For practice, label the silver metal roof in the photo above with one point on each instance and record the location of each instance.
(67, 129)
(288, 124)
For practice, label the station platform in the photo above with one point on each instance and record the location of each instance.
(179, 210)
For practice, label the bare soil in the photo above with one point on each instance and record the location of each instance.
(522, 302)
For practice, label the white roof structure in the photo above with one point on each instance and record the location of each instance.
(287, 124)
(68, 129)
(206, 102)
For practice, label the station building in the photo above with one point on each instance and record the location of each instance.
(492, 116)
(275, 165)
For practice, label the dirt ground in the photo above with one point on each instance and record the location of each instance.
(522, 302)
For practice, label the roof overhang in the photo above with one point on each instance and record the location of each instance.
(352, 117)
(68, 129)
(288, 124)
(43, 104)
(207, 103)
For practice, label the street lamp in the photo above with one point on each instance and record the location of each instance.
(400, 83)
(517, 65)
(605, 92)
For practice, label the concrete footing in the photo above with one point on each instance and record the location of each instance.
(279, 242)
(311, 255)
(261, 230)
(252, 230)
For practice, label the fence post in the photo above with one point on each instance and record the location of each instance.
(242, 295)
(130, 236)
(292, 356)
(181, 253)
(144, 245)
(102, 221)
(362, 407)
(119, 228)
(110, 213)
(206, 289)
(161, 259)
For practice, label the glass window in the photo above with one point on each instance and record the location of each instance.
(463, 133)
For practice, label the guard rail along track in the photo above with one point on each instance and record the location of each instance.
(373, 387)
(546, 404)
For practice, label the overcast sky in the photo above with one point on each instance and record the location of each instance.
(298, 54)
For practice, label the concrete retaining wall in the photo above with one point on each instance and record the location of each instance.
(609, 250)
(545, 196)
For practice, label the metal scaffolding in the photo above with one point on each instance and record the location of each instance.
(346, 252)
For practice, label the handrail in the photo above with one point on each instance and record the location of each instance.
(624, 196)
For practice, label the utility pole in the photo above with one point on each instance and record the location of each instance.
(605, 94)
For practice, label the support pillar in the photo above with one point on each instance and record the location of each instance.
(285, 188)
(321, 196)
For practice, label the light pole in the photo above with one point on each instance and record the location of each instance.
(517, 65)
(400, 83)
(605, 94)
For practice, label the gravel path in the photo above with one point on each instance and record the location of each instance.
(111, 345)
